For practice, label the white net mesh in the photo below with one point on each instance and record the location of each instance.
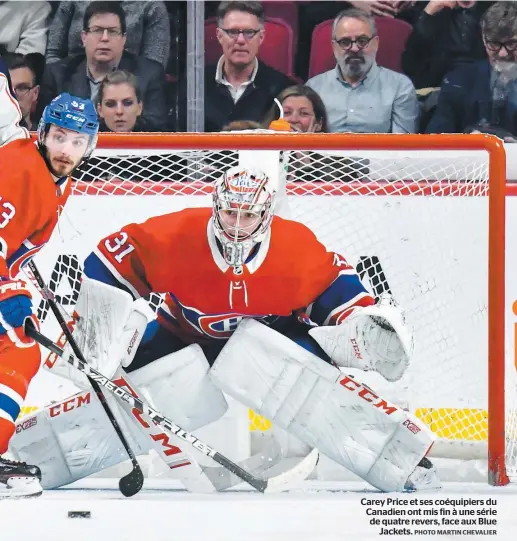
(414, 222)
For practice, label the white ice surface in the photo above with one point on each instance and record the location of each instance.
(161, 512)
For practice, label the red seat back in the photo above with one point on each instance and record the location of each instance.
(393, 34)
(287, 11)
(213, 50)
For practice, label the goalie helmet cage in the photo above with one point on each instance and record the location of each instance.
(420, 216)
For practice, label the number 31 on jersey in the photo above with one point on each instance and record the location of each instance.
(116, 243)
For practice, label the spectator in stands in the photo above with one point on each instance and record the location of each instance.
(120, 110)
(24, 80)
(313, 13)
(147, 33)
(24, 26)
(104, 37)
(482, 96)
(359, 95)
(303, 109)
(239, 87)
(446, 35)
(120, 103)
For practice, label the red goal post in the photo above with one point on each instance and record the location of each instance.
(415, 183)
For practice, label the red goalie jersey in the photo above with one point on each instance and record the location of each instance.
(30, 204)
(178, 254)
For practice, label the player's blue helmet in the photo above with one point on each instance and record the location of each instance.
(72, 113)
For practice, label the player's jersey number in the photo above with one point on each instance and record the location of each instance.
(117, 243)
(7, 213)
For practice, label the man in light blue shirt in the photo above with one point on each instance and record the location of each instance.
(359, 95)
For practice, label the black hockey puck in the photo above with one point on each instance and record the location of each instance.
(79, 514)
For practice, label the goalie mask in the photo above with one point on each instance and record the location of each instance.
(242, 212)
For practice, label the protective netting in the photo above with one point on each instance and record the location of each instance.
(413, 222)
(189, 172)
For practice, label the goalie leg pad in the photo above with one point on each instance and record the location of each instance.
(74, 438)
(177, 385)
(314, 401)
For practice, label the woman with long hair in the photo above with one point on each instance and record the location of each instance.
(119, 103)
(302, 108)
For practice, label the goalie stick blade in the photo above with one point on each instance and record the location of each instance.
(293, 477)
(258, 464)
(223, 479)
(132, 483)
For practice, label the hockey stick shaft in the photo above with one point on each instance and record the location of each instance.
(146, 409)
(133, 482)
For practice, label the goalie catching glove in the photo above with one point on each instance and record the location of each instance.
(372, 338)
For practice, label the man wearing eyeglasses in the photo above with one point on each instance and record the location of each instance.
(24, 82)
(482, 96)
(359, 95)
(104, 38)
(240, 87)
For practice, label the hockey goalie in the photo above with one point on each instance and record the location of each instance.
(255, 308)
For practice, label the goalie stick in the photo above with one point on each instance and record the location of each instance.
(283, 481)
(217, 476)
(129, 484)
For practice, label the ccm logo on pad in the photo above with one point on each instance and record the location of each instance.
(71, 404)
(367, 395)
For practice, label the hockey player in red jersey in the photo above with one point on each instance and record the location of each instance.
(35, 183)
(254, 304)
(220, 269)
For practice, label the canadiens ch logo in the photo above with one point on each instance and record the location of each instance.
(219, 326)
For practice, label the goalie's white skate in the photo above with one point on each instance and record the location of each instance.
(19, 480)
(424, 477)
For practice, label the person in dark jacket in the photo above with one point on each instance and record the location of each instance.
(482, 96)
(119, 104)
(446, 35)
(239, 87)
(148, 30)
(104, 36)
(23, 70)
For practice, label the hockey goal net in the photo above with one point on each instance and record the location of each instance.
(420, 216)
